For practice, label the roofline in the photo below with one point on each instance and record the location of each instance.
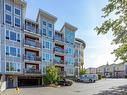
(81, 41)
(28, 19)
(23, 2)
(69, 26)
(47, 15)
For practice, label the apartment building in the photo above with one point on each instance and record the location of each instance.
(91, 70)
(110, 71)
(79, 55)
(27, 47)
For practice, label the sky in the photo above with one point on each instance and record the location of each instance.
(85, 15)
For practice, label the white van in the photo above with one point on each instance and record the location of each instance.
(88, 78)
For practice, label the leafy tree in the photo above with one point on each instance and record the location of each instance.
(82, 71)
(52, 75)
(118, 26)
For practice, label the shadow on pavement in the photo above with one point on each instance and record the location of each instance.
(121, 90)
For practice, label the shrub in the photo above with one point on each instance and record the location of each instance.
(99, 77)
(51, 76)
(82, 71)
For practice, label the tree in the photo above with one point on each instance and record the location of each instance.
(82, 71)
(118, 26)
(52, 75)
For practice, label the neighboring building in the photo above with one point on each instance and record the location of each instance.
(91, 70)
(120, 70)
(101, 70)
(110, 71)
(79, 55)
(27, 47)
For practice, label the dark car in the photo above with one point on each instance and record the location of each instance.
(65, 82)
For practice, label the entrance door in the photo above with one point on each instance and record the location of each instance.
(10, 82)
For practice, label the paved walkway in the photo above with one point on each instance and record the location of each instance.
(102, 87)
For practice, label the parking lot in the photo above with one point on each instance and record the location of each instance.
(102, 87)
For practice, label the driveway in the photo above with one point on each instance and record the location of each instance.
(102, 87)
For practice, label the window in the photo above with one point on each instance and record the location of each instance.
(8, 7)
(17, 11)
(18, 37)
(47, 56)
(12, 36)
(8, 19)
(47, 45)
(49, 25)
(50, 33)
(17, 22)
(7, 50)
(70, 60)
(10, 66)
(70, 51)
(7, 66)
(18, 52)
(44, 57)
(7, 34)
(44, 70)
(50, 45)
(44, 32)
(44, 23)
(12, 51)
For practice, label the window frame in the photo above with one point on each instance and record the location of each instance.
(16, 25)
(11, 36)
(17, 67)
(18, 10)
(9, 6)
(50, 25)
(6, 21)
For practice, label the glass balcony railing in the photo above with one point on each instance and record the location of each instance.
(32, 71)
(32, 43)
(32, 58)
(58, 49)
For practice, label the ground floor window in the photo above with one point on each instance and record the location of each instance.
(13, 67)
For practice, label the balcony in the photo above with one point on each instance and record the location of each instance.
(77, 64)
(58, 63)
(31, 29)
(32, 58)
(58, 49)
(32, 71)
(32, 43)
(59, 38)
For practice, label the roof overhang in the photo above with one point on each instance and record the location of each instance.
(46, 15)
(70, 27)
(81, 41)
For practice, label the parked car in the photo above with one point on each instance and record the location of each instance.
(88, 78)
(65, 82)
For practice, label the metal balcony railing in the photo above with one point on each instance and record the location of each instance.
(32, 29)
(32, 58)
(32, 71)
(32, 43)
(58, 49)
(58, 62)
(59, 38)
